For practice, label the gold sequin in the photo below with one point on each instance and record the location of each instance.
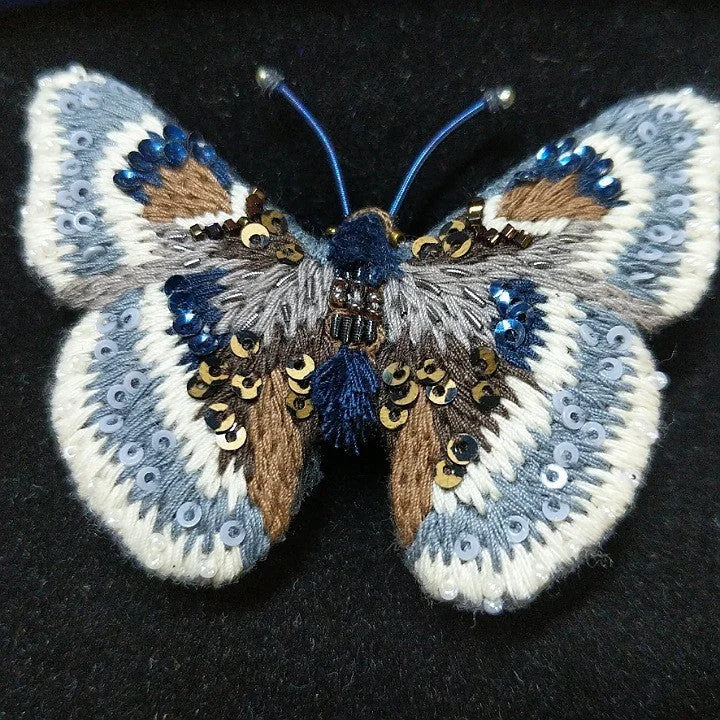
(300, 407)
(211, 373)
(274, 221)
(198, 389)
(298, 368)
(430, 372)
(219, 417)
(486, 395)
(244, 345)
(233, 439)
(403, 395)
(290, 253)
(424, 246)
(255, 235)
(246, 386)
(299, 387)
(463, 449)
(443, 393)
(392, 417)
(396, 374)
(448, 475)
(485, 360)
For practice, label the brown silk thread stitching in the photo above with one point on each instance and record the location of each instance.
(415, 453)
(545, 200)
(277, 454)
(189, 191)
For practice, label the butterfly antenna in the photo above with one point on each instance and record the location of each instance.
(492, 100)
(273, 82)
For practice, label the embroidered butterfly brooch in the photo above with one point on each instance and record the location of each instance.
(499, 356)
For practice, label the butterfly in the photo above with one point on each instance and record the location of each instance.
(500, 356)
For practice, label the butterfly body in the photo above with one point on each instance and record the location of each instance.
(500, 355)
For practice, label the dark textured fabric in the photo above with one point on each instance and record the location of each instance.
(332, 625)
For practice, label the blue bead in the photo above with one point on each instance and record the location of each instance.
(152, 149)
(221, 170)
(521, 311)
(569, 162)
(150, 178)
(546, 154)
(188, 323)
(173, 132)
(202, 344)
(127, 179)
(496, 288)
(176, 153)
(175, 283)
(565, 145)
(156, 136)
(607, 188)
(505, 299)
(181, 301)
(586, 154)
(525, 176)
(599, 167)
(203, 152)
(510, 333)
(138, 162)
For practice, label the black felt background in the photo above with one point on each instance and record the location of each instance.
(332, 626)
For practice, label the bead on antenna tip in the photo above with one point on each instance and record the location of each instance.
(268, 78)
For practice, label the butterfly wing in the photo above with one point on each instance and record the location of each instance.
(524, 321)
(171, 395)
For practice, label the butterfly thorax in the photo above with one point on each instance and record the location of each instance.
(363, 258)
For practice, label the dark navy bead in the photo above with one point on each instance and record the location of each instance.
(181, 301)
(607, 188)
(138, 162)
(510, 333)
(127, 179)
(175, 283)
(188, 323)
(525, 176)
(152, 149)
(565, 145)
(586, 155)
(173, 132)
(546, 154)
(176, 153)
(599, 167)
(214, 231)
(202, 344)
(203, 152)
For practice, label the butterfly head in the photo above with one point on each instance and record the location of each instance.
(363, 247)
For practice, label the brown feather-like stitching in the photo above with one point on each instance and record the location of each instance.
(416, 451)
(545, 199)
(277, 451)
(185, 192)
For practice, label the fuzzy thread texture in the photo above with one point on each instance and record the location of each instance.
(343, 392)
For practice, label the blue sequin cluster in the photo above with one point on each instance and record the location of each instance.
(193, 315)
(171, 149)
(516, 301)
(555, 161)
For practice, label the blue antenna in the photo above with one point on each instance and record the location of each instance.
(492, 100)
(273, 81)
